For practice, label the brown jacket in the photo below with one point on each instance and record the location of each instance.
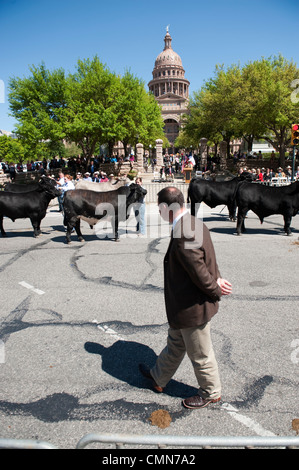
(190, 275)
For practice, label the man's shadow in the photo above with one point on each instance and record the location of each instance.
(121, 361)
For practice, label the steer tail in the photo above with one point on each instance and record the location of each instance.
(191, 200)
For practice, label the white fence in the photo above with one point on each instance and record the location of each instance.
(154, 188)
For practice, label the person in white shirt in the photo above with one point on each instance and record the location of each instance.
(66, 186)
(68, 183)
(60, 183)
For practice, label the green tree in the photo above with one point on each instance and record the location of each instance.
(138, 115)
(252, 102)
(89, 107)
(90, 96)
(215, 109)
(11, 150)
(36, 102)
(270, 109)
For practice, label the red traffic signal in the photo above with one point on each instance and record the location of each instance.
(295, 134)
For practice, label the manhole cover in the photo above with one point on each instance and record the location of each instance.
(258, 284)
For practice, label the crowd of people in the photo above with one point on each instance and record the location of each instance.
(267, 174)
(173, 164)
(65, 182)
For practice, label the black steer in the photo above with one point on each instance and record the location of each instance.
(92, 206)
(21, 188)
(32, 205)
(265, 201)
(213, 193)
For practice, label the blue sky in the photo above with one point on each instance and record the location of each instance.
(129, 34)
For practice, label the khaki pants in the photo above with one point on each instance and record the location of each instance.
(198, 345)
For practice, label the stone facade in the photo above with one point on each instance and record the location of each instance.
(170, 88)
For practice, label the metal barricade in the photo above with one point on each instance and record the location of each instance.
(190, 441)
(162, 442)
(25, 444)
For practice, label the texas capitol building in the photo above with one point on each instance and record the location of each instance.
(170, 88)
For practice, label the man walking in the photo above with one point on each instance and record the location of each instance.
(192, 289)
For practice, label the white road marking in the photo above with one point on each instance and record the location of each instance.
(30, 287)
(108, 330)
(248, 422)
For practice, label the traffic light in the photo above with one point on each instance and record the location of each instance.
(295, 134)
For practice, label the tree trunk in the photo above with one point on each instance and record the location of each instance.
(110, 147)
(249, 140)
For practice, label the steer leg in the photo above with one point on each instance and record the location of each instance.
(73, 223)
(69, 229)
(114, 224)
(78, 231)
(240, 222)
(232, 207)
(116, 229)
(36, 226)
(1, 225)
(287, 224)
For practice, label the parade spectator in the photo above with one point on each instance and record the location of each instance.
(280, 173)
(12, 171)
(60, 183)
(267, 175)
(140, 213)
(95, 177)
(92, 168)
(288, 172)
(64, 186)
(68, 183)
(103, 178)
(177, 163)
(87, 176)
(260, 176)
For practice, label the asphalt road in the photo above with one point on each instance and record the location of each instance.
(76, 320)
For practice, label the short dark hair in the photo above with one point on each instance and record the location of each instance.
(171, 195)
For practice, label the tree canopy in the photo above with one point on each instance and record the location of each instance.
(11, 150)
(89, 107)
(251, 102)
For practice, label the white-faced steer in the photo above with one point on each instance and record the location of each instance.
(92, 206)
(32, 204)
(265, 201)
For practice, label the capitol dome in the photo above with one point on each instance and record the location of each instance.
(171, 89)
(168, 56)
